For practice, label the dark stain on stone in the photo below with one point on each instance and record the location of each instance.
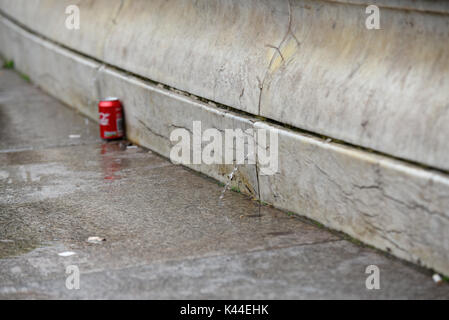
(279, 233)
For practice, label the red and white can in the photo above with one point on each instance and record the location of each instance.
(111, 118)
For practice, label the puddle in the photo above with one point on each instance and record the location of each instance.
(111, 159)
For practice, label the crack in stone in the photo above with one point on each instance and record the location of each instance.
(114, 20)
(381, 232)
(96, 82)
(277, 48)
(151, 130)
(379, 187)
(181, 127)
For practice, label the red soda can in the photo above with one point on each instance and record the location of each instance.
(111, 118)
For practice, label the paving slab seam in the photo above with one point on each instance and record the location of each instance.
(211, 256)
(53, 146)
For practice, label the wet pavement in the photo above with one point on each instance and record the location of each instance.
(168, 235)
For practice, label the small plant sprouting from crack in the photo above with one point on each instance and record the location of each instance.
(318, 224)
(9, 64)
(25, 77)
(230, 177)
(236, 189)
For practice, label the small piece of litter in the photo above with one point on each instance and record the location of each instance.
(131, 147)
(437, 278)
(66, 254)
(6, 241)
(95, 239)
(74, 136)
(328, 140)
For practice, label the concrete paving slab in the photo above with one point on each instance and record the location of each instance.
(30, 119)
(321, 271)
(134, 199)
(167, 233)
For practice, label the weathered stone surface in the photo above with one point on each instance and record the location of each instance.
(69, 77)
(129, 32)
(152, 113)
(386, 203)
(320, 69)
(371, 88)
(418, 5)
(394, 206)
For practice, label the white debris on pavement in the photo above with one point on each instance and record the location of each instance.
(66, 254)
(74, 136)
(437, 278)
(95, 239)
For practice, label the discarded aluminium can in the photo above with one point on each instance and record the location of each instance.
(111, 118)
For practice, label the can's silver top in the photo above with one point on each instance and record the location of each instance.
(111, 99)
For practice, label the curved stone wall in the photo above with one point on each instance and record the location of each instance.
(309, 64)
